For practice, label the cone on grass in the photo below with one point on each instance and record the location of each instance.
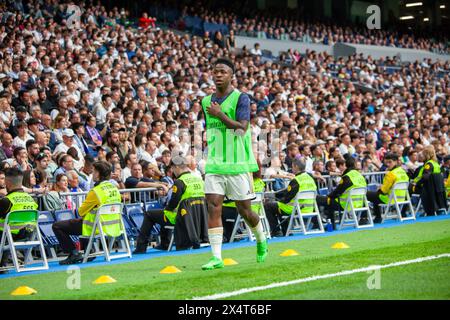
(229, 262)
(340, 245)
(104, 279)
(169, 270)
(23, 291)
(289, 253)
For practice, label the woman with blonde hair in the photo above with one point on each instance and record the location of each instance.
(429, 183)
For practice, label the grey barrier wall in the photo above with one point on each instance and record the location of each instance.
(277, 46)
(340, 49)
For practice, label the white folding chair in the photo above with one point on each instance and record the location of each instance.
(239, 222)
(8, 244)
(352, 215)
(397, 204)
(172, 236)
(419, 205)
(296, 219)
(108, 209)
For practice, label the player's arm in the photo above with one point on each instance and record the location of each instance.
(242, 114)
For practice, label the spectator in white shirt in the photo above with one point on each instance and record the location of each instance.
(22, 135)
(256, 50)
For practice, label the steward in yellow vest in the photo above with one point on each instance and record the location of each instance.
(429, 183)
(104, 192)
(337, 199)
(186, 211)
(303, 181)
(15, 200)
(394, 175)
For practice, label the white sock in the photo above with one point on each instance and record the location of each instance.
(258, 231)
(215, 239)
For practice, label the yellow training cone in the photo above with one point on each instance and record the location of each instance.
(340, 245)
(289, 253)
(104, 279)
(170, 269)
(23, 291)
(229, 262)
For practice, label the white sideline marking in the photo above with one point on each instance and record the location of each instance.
(319, 277)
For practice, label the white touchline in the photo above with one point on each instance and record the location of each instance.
(318, 277)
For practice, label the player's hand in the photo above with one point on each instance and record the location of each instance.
(214, 109)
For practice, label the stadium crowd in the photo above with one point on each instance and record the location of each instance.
(132, 96)
(283, 25)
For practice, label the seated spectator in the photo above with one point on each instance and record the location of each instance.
(21, 157)
(30, 184)
(61, 185)
(137, 180)
(93, 136)
(22, 135)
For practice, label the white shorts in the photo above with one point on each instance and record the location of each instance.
(232, 186)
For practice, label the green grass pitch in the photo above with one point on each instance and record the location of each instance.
(142, 280)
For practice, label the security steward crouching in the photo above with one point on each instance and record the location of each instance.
(15, 200)
(186, 211)
(104, 192)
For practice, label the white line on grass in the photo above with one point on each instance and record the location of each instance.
(319, 277)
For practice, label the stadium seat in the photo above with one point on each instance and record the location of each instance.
(45, 222)
(323, 191)
(397, 203)
(7, 243)
(296, 219)
(135, 214)
(352, 214)
(113, 215)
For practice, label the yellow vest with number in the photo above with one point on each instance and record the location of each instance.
(19, 201)
(106, 193)
(194, 189)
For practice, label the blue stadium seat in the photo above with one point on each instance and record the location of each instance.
(372, 187)
(130, 228)
(135, 214)
(45, 222)
(152, 205)
(66, 214)
(323, 191)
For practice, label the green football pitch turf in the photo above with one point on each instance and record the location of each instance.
(142, 280)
